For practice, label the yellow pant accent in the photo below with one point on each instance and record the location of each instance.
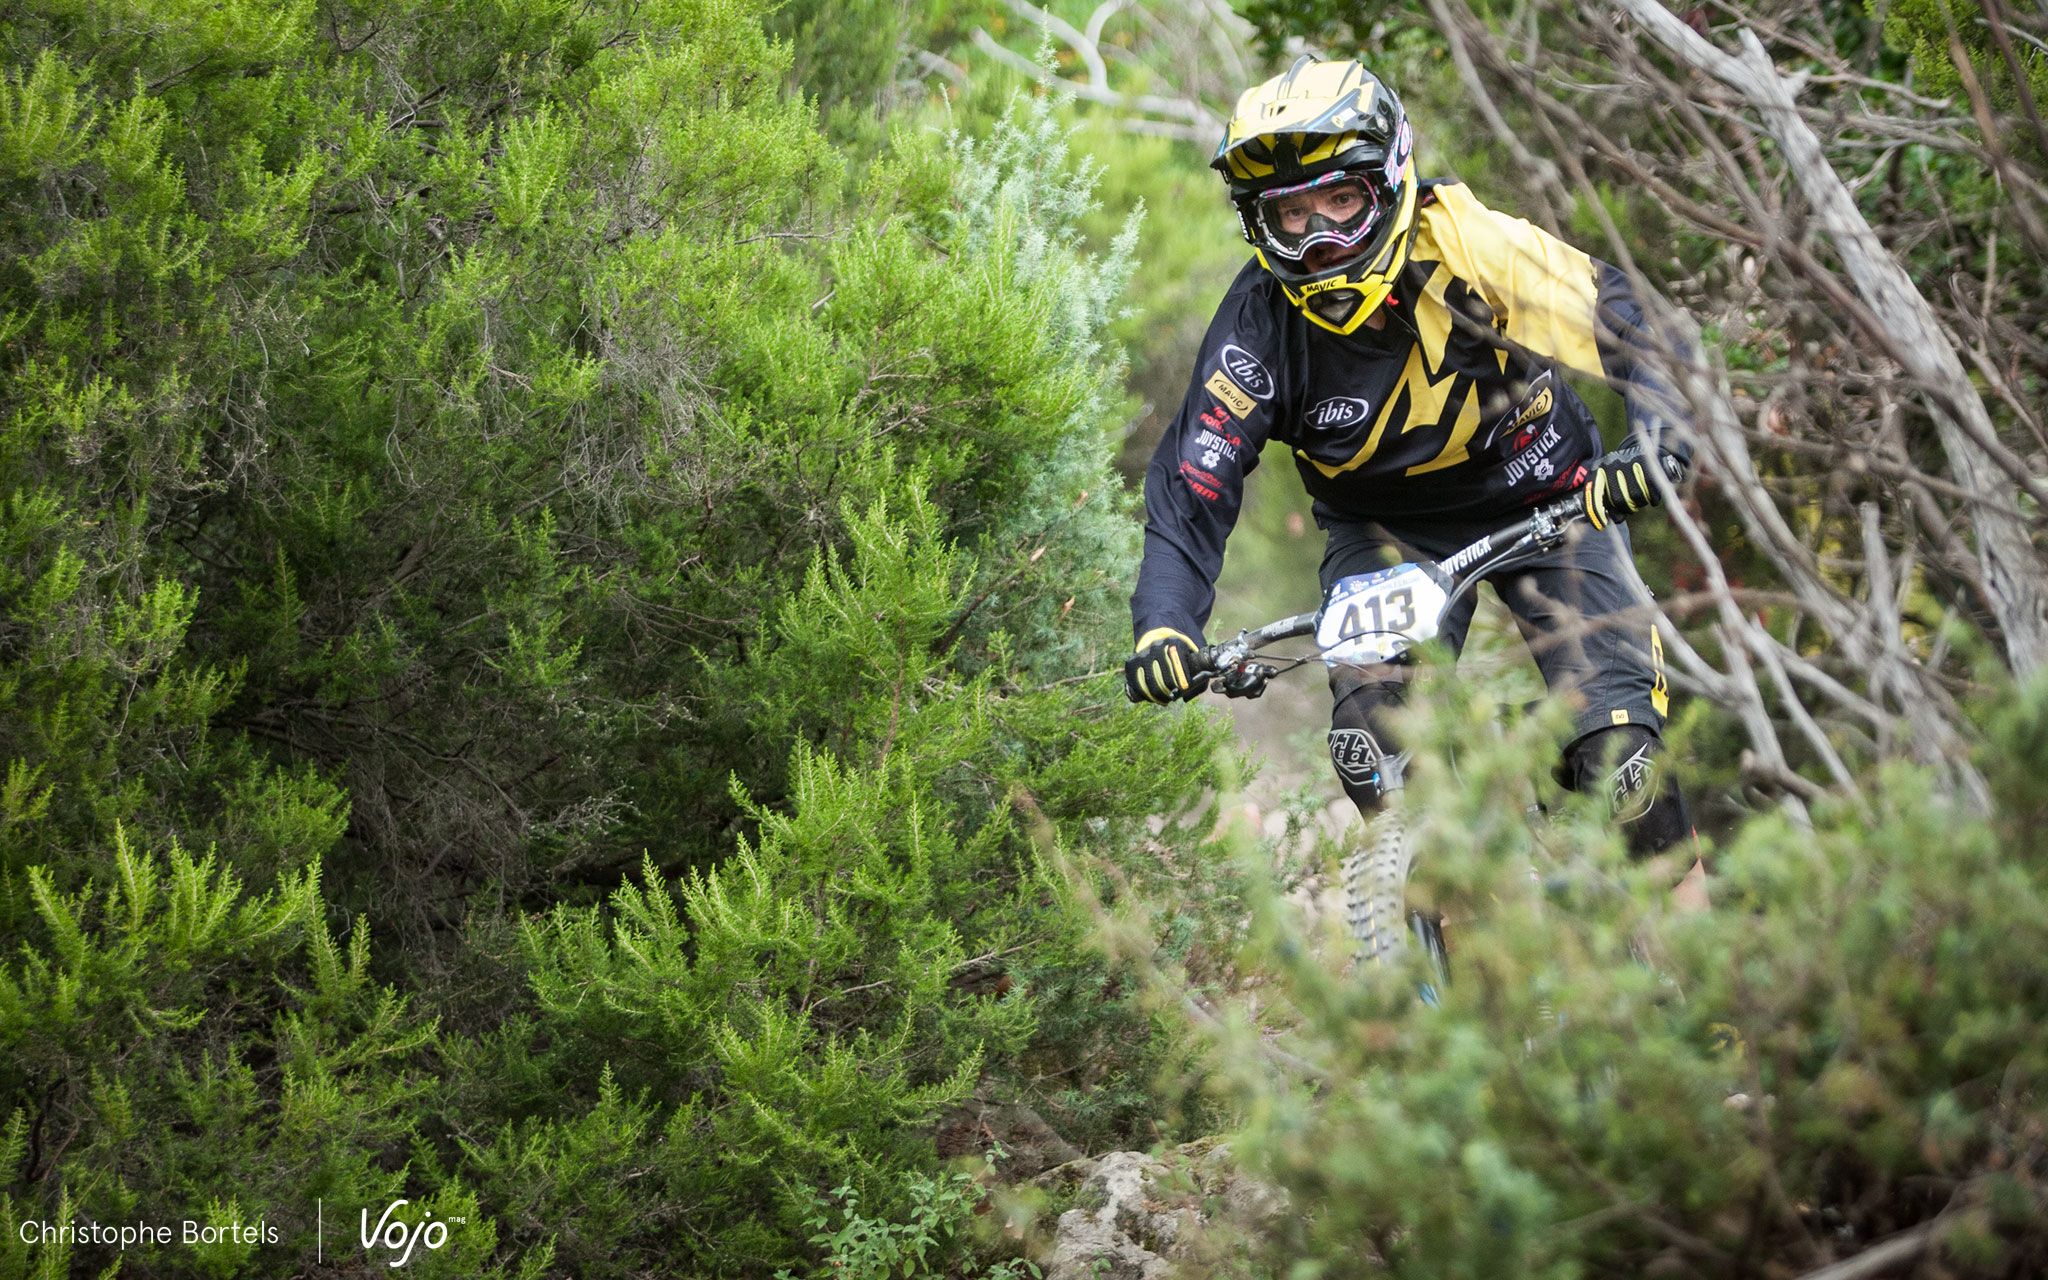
(1660, 692)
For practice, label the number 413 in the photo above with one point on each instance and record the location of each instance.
(1368, 616)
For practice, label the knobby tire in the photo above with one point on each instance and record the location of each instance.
(1376, 889)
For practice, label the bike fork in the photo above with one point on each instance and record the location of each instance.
(1428, 928)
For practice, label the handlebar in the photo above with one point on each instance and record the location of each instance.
(1239, 677)
(1236, 675)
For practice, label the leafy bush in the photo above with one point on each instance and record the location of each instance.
(862, 1248)
(464, 470)
(1845, 1048)
(180, 1043)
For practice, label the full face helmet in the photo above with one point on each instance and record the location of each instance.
(1321, 168)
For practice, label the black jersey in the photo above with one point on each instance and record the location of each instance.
(1455, 411)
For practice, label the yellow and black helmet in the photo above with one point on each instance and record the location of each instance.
(1322, 156)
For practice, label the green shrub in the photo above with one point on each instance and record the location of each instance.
(464, 469)
(1846, 1046)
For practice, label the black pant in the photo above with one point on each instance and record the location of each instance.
(1570, 605)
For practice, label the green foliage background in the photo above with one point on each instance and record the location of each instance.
(557, 570)
(541, 598)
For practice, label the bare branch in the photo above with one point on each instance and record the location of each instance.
(1882, 1256)
(2010, 567)
(1179, 108)
(937, 65)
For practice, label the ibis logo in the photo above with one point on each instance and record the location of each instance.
(1338, 412)
(1247, 371)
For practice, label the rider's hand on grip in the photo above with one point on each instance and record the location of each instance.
(1165, 667)
(1621, 484)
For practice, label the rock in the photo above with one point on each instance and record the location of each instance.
(1087, 1249)
(1137, 1214)
(1117, 1235)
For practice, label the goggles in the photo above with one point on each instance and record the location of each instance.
(1339, 209)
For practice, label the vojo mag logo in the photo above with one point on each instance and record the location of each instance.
(1338, 412)
(1245, 367)
(399, 1238)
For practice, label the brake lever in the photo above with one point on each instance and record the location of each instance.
(1246, 680)
(1232, 672)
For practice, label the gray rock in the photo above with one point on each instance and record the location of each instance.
(1086, 1248)
(1138, 1215)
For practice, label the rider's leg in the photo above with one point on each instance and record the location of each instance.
(1574, 608)
(1624, 763)
(1368, 758)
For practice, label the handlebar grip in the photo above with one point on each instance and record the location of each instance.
(1572, 506)
(1564, 510)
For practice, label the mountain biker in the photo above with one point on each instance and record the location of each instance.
(1406, 343)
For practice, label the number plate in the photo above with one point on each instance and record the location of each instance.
(1374, 617)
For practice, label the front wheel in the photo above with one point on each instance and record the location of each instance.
(1376, 889)
(1376, 900)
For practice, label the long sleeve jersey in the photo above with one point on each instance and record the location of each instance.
(1454, 411)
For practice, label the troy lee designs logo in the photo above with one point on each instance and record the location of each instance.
(1356, 754)
(1632, 788)
(1397, 157)
(1338, 412)
(1245, 369)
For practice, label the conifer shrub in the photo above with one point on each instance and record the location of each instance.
(1845, 1049)
(469, 488)
(181, 1047)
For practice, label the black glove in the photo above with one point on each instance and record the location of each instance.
(1163, 668)
(1621, 484)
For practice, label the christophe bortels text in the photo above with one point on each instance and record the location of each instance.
(187, 1231)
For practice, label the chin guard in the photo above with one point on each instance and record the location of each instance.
(1336, 307)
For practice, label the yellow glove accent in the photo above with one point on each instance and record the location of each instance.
(1156, 671)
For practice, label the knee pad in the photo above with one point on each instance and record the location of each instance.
(1367, 760)
(1625, 764)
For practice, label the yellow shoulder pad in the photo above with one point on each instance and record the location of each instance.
(1543, 287)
